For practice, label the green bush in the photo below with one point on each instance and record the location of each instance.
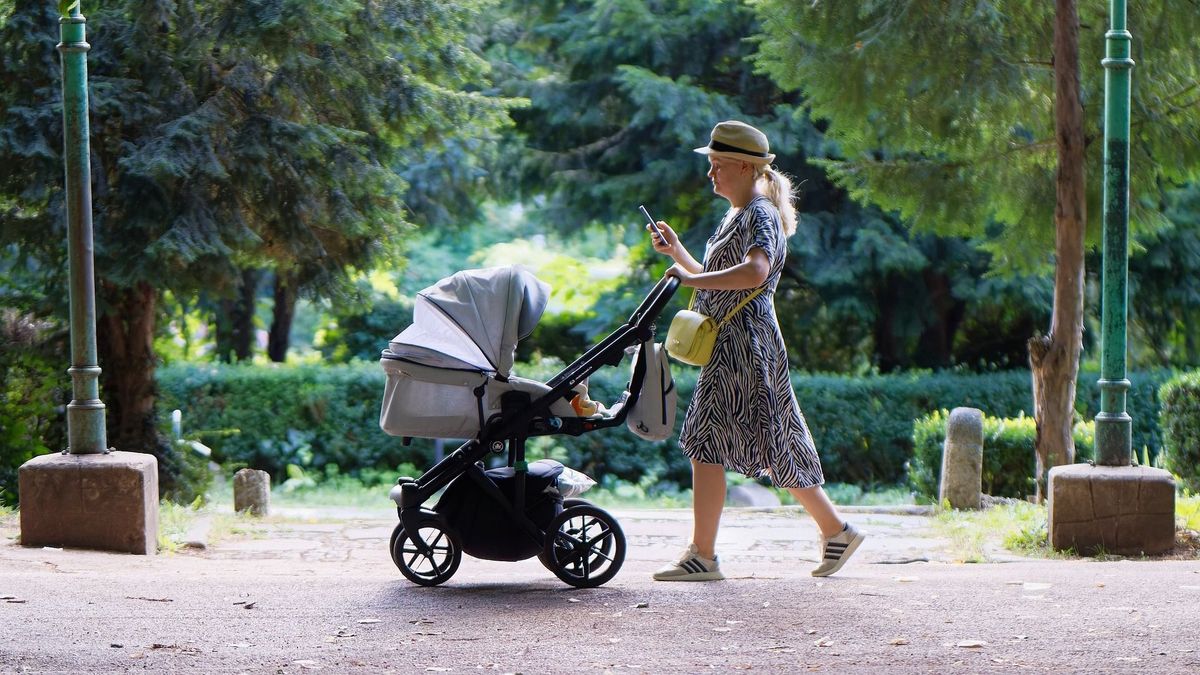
(314, 415)
(34, 391)
(268, 417)
(1180, 422)
(1009, 460)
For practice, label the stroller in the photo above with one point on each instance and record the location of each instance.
(449, 377)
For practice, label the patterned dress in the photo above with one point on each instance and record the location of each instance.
(743, 413)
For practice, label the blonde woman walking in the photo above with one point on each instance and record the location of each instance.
(743, 415)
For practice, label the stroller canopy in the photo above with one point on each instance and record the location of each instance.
(474, 319)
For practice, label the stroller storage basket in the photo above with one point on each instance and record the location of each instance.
(486, 530)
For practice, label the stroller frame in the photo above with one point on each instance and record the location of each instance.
(570, 554)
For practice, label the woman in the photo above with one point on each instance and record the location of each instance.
(743, 414)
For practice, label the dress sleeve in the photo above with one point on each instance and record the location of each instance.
(764, 232)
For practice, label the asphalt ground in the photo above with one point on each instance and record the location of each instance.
(315, 590)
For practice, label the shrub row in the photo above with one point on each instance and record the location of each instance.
(1009, 461)
(1180, 420)
(271, 416)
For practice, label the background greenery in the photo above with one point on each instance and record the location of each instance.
(274, 180)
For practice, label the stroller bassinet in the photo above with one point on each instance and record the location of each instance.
(449, 376)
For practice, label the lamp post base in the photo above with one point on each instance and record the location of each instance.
(107, 502)
(1128, 510)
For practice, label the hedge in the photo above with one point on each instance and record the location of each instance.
(1009, 461)
(1180, 420)
(271, 416)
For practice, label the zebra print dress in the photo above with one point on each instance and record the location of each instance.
(743, 413)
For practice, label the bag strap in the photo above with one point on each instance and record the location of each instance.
(743, 303)
(739, 307)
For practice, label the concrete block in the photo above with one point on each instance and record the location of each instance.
(751, 494)
(962, 459)
(252, 492)
(1122, 510)
(107, 502)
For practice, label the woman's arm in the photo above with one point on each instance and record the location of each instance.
(750, 273)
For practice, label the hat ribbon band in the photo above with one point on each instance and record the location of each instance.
(725, 147)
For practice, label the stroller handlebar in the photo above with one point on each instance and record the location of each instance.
(657, 299)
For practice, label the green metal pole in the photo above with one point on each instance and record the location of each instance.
(85, 413)
(1114, 427)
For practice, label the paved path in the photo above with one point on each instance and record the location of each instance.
(316, 591)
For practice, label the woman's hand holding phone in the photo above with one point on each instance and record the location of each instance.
(662, 237)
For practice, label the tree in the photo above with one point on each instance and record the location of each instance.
(228, 135)
(617, 101)
(966, 115)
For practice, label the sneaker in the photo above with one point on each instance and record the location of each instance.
(691, 567)
(836, 550)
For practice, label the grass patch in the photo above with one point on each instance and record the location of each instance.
(1187, 513)
(173, 523)
(1019, 527)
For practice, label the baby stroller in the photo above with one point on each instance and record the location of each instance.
(449, 376)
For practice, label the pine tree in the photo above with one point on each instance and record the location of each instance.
(968, 115)
(227, 135)
(619, 95)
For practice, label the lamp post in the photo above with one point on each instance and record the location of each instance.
(88, 496)
(1114, 426)
(85, 413)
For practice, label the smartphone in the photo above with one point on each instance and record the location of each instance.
(653, 224)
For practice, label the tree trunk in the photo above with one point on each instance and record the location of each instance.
(935, 346)
(887, 352)
(125, 343)
(235, 320)
(243, 315)
(281, 318)
(1054, 358)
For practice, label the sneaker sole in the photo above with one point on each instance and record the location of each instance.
(850, 549)
(697, 576)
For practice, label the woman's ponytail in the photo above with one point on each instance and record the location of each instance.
(780, 192)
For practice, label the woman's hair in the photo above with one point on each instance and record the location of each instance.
(781, 193)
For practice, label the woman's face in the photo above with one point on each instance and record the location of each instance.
(728, 175)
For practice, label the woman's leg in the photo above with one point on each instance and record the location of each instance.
(708, 499)
(823, 512)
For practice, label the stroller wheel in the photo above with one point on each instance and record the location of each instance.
(585, 546)
(429, 564)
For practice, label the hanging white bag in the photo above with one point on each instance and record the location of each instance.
(653, 416)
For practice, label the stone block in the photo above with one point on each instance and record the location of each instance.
(107, 502)
(751, 494)
(252, 492)
(962, 459)
(1126, 510)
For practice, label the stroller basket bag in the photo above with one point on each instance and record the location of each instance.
(487, 531)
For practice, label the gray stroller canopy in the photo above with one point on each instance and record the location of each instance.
(473, 319)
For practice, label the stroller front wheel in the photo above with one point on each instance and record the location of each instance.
(585, 546)
(429, 564)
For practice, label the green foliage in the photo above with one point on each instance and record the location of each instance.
(267, 417)
(1165, 303)
(312, 416)
(942, 111)
(1180, 423)
(1009, 461)
(34, 390)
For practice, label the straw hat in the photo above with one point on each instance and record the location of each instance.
(738, 140)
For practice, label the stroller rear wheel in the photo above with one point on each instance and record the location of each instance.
(431, 564)
(585, 546)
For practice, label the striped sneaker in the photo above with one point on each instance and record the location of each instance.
(691, 567)
(836, 550)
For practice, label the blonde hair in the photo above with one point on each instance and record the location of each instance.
(782, 195)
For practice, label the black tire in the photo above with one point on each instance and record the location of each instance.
(584, 547)
(438, 564)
